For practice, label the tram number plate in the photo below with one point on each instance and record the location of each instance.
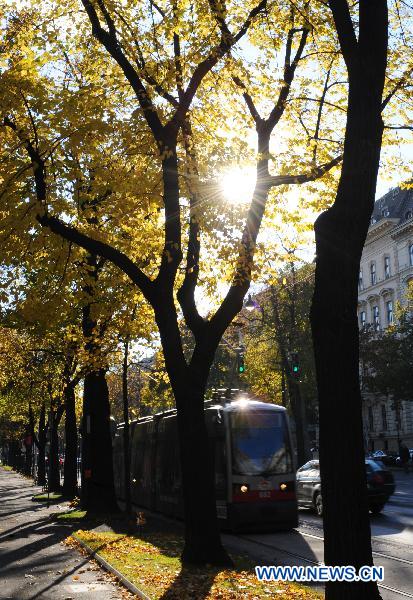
(266, 494)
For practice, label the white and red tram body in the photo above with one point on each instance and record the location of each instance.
(251, 448)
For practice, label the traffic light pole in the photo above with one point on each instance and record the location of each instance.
(238, 365)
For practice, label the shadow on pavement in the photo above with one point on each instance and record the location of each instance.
(61, 577)
(24, 530)
(191, 584)
(48, 536)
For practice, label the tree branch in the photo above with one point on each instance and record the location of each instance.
(186, 293)
(233, 301)
(289, 72)
(109, 40)
(100, 248)
(219, 10)
(345, 31)
(248, 100)
(407, 127)
(312, 175)
(70, 233)
(179, 76)
(150, 79)
(396, 88)
(204, 67)
(320, 110)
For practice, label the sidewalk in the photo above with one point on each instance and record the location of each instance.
(34, 563)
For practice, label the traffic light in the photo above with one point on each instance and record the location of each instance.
(295, 365)
(241, 365)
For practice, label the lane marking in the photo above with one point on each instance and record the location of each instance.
(380, 585)
(390, 589)
(375, 553)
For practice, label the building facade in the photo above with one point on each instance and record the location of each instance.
(386, 269)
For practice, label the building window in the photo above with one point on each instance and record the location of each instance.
(387, 267)
(360, 279)
(384, 417)
(376, 318)
(373, 277)
(408, 215)
(411, 254)
(371, 420)
(372, 221)
(385, 212)
(389, 309)
(362, 318)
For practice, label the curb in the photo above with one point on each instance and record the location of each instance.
(108, 567)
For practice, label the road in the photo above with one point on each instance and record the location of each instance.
(392, 540)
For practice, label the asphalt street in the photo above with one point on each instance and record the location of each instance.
(392, 540)
(34, 562)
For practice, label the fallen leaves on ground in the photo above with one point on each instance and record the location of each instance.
(152, 563)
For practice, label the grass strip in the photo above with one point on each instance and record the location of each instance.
(70, 515)
(152, 563)
(52, 497)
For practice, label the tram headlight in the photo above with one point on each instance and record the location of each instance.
(240, 488)
(283, 487)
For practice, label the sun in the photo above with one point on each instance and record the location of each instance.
(237, 184)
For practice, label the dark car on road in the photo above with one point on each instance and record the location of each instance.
(380, 486)
(388, 458)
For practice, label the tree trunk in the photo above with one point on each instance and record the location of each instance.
(98, 490)
(54, 470)
(340, 236)
(41, 459)
(98, 487)
(126, 449)
(202, 536)
(15, 455)
(70, 464)
(28, 460)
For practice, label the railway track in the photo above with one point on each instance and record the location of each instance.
(399, 593)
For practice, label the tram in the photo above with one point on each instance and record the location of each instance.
(253, 461)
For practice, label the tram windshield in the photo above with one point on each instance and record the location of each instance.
(260, 443)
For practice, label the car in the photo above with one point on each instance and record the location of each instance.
(380, 486)
(388, 457)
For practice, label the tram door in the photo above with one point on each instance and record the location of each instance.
(217, 443)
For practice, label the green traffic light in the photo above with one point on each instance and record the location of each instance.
(241, 369)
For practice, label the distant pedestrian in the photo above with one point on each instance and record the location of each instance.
(314, 451)
(404, 457)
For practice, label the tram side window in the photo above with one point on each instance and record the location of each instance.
(138, 445)
(146, 463)
(220, 466)
(169, 477)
